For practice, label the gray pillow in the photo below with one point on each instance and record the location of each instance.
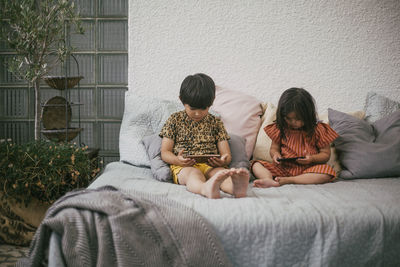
(161, 170)
(367, 150)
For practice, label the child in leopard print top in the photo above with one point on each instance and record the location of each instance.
(195, 131)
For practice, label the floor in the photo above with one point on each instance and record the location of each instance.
(10, 254)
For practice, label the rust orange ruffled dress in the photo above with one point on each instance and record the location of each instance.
(298, 144)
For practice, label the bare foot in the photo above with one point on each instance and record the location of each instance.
(265, 183)
(212, 186)
(240, 180)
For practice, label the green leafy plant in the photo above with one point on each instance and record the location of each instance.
(36, 31)
(44, 170)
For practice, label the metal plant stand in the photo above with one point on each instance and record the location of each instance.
(57, 112)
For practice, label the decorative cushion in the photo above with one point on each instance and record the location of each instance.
(143, 116)
(333, 160)
(240, 113)
(378, 105)
(263, 143)
(359, 114)
(161, 170)
(367, 150)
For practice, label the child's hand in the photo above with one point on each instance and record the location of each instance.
(185, 162)
(306, 160)
(276, 157)
(218, 162)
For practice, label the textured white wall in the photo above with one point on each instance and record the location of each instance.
(338, 50)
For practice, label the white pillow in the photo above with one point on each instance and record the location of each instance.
(381, 104)
(143, 116)
(240, 113)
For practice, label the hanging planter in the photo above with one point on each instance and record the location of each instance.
(62, 83)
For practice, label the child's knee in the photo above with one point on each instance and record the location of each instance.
(256, 165)
(187, 173)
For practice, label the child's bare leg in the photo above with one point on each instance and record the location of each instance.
(306, 178)
(237, 184)
(196, 182)
(264, 176)
(192, 178)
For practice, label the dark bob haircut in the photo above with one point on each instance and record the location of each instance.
(197, 91)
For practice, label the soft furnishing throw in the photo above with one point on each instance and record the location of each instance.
(107, 227)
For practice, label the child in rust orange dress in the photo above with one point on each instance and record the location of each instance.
(296, 133)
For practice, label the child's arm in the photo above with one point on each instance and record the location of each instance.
(275, 152)
(169, 157)
(225, 152)
(322, 157)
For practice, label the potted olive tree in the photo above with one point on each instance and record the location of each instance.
(36, 30)
(37, 173)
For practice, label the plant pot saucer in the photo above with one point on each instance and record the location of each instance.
(59, 135)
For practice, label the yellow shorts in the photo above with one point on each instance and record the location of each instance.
(203, 167)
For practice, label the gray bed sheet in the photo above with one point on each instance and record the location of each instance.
(344, 223)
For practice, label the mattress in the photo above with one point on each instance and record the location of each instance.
(344, 223)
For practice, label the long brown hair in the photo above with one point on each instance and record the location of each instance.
(301, 102)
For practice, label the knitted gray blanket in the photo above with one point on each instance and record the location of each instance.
(107, 227)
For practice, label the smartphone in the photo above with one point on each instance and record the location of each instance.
(289, 159)
(203, 158)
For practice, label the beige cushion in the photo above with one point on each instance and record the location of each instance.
(263, 142)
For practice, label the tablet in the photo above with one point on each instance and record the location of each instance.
(203, 158)
(289, 159)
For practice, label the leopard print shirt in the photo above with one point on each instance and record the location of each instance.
(196, 138)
